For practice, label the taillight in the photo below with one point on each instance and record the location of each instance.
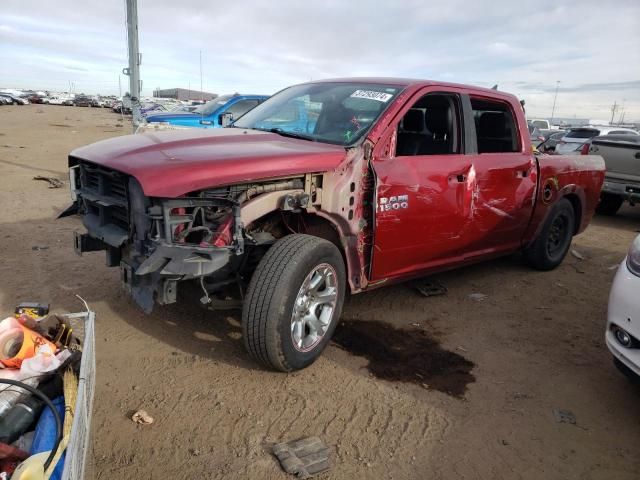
(561, 142)
(541, 138)
(584, 150)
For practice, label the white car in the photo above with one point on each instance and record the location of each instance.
(576, 138)
(623, 322)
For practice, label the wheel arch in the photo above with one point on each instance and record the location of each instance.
(576, 203)
(320, 226)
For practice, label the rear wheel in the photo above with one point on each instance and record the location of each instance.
(293, 302)
(553, 242)
(609, 204)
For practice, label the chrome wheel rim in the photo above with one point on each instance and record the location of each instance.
(314, 307)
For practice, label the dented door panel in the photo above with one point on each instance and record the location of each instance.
(420, 212)
(503, 194)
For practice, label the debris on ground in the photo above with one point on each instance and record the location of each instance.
(613, 267)
(478, 297)
(141, 417)
(303, 458)
(429, 288)
(53, 182)
(577, 254)
(564, 416)
(37, 248)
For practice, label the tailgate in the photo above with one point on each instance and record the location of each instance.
(621, 158)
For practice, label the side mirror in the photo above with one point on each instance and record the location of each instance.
(206, 122)
(225, 119)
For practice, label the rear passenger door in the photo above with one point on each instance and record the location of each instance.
(505, 175)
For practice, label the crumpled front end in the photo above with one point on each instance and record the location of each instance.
(155, 242)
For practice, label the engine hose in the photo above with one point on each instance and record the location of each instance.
(49, 404)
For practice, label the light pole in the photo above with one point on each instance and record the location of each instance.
(555, 97)
(134, 61)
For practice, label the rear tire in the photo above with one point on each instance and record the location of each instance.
(293, 302)
(553, 242)
(609, 204)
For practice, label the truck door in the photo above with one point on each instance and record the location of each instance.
(505, 176)
(423, 195)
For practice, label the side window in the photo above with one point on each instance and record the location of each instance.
(240, 108)
(431, 127)
(495, 126)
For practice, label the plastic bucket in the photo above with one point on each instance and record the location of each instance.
(17, 342)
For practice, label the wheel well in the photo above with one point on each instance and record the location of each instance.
(577, 210)
(281, 224)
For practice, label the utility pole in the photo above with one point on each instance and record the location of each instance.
(555, 97)
(614, 109)
(134, 61)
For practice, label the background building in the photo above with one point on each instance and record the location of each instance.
(183, 94)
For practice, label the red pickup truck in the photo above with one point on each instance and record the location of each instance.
(327, 188)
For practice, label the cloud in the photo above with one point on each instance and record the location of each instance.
(263, 46)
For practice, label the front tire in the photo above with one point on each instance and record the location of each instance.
(293, 302)
(609, 204)
(553, 242)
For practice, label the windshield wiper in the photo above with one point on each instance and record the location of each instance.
(285, 133)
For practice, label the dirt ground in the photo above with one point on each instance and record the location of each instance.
(536, 342)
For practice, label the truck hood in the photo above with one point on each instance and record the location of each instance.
(175, 162)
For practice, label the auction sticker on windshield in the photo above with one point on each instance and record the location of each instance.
(372, 95)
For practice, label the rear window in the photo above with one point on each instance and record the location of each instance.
(540, 124)
(495, 126)
(583, 133)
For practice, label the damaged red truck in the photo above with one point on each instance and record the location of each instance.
(328, 188)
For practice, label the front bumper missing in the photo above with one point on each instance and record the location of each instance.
(153, 277)
(156, 278)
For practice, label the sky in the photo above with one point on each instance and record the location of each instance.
(592, 48)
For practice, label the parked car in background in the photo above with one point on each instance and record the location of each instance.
(15, 100)
(56, 100)
(151, 108)
(82, 101)
(535, 134)
(621, 155)
(551, 139)
(5, 100)
(623, 319)
(35, 98)
(210, 115)
(541, 124)
(576, 138)
(183, 108)
(388, 179)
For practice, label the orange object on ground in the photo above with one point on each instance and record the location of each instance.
(18, 342)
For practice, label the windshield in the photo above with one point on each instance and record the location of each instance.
(212, 105)
(337, 113)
